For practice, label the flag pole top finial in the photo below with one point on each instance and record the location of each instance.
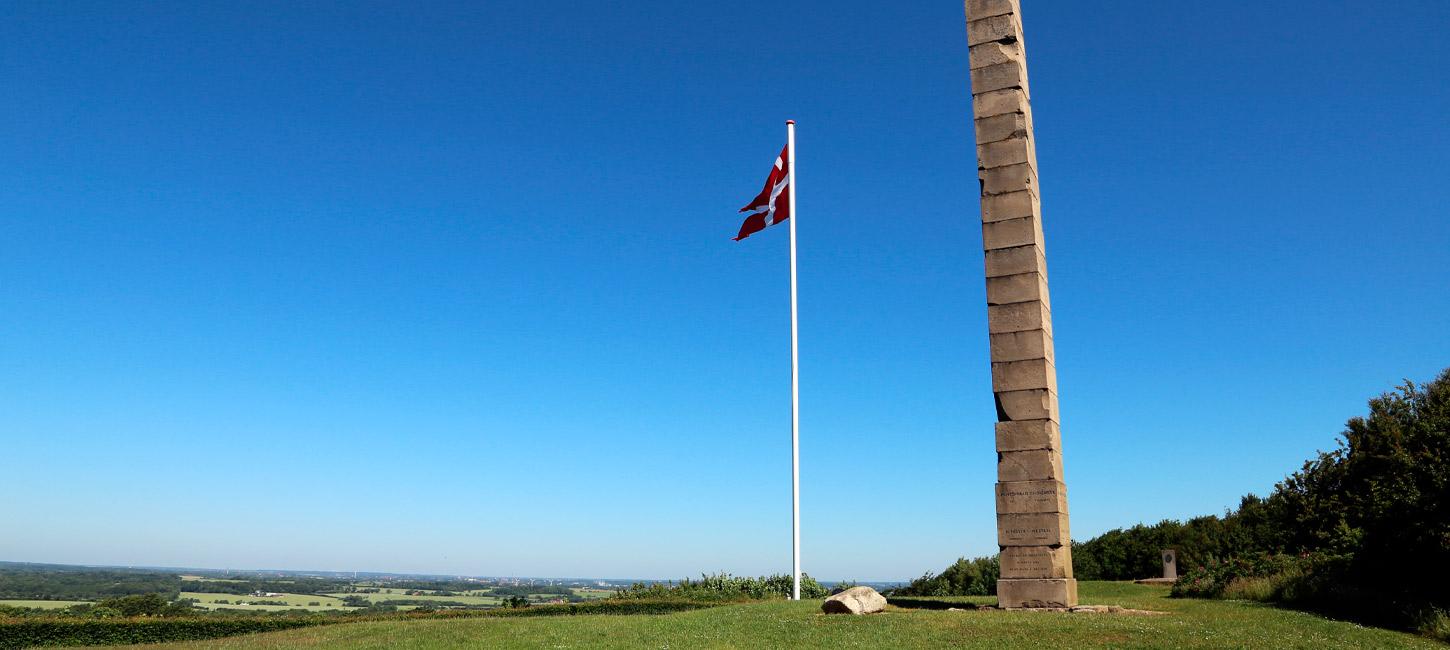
(790, 121)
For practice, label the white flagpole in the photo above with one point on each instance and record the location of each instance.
(795, 441)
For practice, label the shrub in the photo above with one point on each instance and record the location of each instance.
(140, 605)
(48, 630)
(1435, 623)
(26, 633)
(725, 587)
(1384, 494)
(1212, 579)
(964, 577)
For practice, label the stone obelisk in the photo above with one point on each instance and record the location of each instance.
(1031, 498)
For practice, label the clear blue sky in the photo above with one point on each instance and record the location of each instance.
(450, 287)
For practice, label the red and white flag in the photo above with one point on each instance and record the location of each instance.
(773, 204)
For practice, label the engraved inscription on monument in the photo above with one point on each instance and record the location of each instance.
(1035, 562)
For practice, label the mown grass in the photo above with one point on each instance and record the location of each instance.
(777, 624)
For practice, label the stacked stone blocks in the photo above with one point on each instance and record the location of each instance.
(1032, 523)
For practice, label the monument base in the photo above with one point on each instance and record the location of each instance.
(1036, 593)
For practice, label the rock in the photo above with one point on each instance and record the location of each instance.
(856, 600)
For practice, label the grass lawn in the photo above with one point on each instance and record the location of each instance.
(43, 604)
(208, 600)
(1188, 624)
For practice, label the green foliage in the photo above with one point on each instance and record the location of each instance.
(1435, 623)
(144, 605)
(1134, 553)
(54, 582)
(51, 630)
(58, 582)
(964, 577)
(27, 633)
(1384, 494)
(1246, 576)
(725, 587)
(1362, 531)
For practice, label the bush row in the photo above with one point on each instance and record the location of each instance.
(724, 587)
(964, 577)
(56, 631)
(30, 632)
(1360, 532)
(1321, 582)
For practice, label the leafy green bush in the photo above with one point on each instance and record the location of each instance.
(50, 630)
(1256, 576)
(1384, 494)
(725, 587)
(30, 632)
(1435, 623)
(964, 577)
(1334, 536)
(1134, 553)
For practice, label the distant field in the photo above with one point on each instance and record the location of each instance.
(294, 601)
(43, 604)
(206, 579)
(397, 594)
(592, 593)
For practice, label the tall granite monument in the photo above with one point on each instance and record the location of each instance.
(1031, 498)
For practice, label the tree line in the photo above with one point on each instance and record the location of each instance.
(1361, 531)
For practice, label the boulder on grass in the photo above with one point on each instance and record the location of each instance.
(856, 600)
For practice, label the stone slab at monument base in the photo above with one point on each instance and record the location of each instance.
(1036, 593)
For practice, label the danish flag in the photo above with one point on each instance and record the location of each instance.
(772, 206)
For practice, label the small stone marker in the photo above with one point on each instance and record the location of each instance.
(1170, 564)
(856, 600)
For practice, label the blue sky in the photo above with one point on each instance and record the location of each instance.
(450, 287)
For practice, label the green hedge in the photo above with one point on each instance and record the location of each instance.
(27, 633)
(723, 587)
(57, 631)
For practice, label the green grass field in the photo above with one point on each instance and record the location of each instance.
(294, 601)
(43, 604)
(1187, 624)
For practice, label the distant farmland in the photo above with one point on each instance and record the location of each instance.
(207, 600)
(44, 604)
